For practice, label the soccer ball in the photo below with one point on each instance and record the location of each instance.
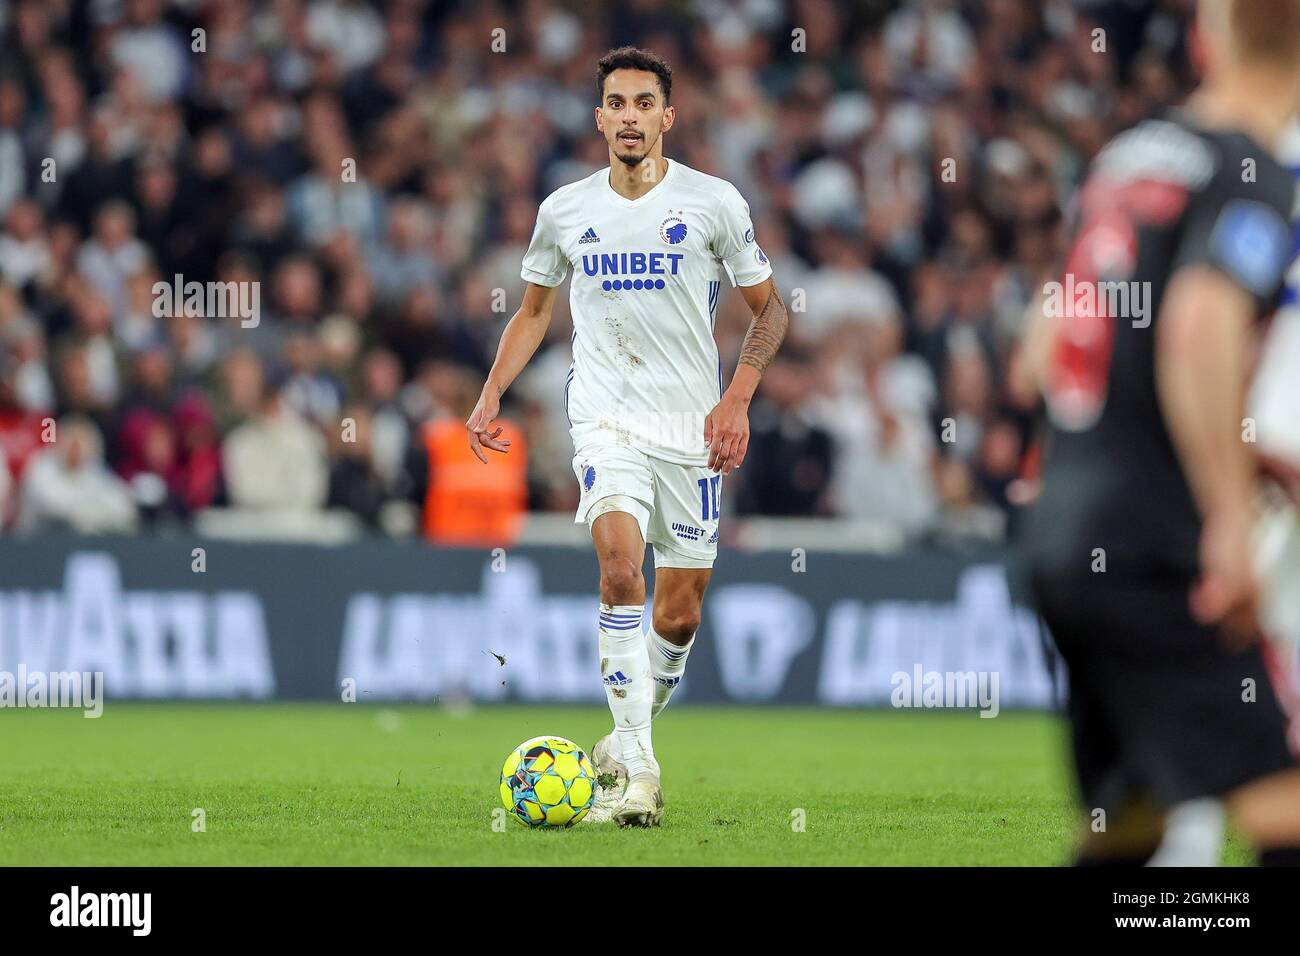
(548, 782)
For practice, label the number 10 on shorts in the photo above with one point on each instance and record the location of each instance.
(709, 492)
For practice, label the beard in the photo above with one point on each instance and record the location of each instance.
(632, 160)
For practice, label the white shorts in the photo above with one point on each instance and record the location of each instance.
(676, 506)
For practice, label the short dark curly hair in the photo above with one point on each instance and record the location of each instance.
(633, 58)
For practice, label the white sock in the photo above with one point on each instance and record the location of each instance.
(1194, 832)
(667, 665)
(625, 670)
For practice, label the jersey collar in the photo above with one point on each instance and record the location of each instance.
(653, 190)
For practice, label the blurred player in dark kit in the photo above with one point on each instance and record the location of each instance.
(1139, 545)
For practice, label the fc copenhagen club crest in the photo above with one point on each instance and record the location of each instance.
(672, 230)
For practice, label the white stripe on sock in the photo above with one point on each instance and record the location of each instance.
(667, 667)
(625, 672)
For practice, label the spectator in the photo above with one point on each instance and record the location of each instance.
(262, 229)
(152, 50)
(311, 392)
(845, 288)
(464, 503)
(405, 260)
(168, 223)
(24, 250)
(147, 462)
(79, 395)
(788, 467)
(113, 255)
(276, 460)
(23, 432)
(334, 196)
(25, 340)
(13, 158)
(381, 383)
(354, 483)
(68, 487)
(877, 412)
(196, 481)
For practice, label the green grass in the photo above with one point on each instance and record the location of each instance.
(314, 784)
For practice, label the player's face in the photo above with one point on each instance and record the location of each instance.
(633, 115)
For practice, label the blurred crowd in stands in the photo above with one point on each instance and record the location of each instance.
(376, 168)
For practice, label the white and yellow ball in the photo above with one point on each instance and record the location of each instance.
(547, 782)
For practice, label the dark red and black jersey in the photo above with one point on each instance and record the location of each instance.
(1160, 197)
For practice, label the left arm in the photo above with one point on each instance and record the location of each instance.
(726, 429)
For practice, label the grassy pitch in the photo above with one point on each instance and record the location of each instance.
(355, 784)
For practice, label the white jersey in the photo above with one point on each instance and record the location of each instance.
(647, 276)
(1275, 395)
(1273, 404)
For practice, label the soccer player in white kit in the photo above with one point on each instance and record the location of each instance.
(649, 242)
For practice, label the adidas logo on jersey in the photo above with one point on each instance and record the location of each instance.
(616, 679)
(589, 236)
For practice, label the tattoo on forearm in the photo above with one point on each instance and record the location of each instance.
(765, 333)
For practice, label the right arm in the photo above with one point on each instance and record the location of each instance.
(1231, 262)
(1202, 359)
(523, 334)
(1202, 344)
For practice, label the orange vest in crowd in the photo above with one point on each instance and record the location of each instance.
(468, 502)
